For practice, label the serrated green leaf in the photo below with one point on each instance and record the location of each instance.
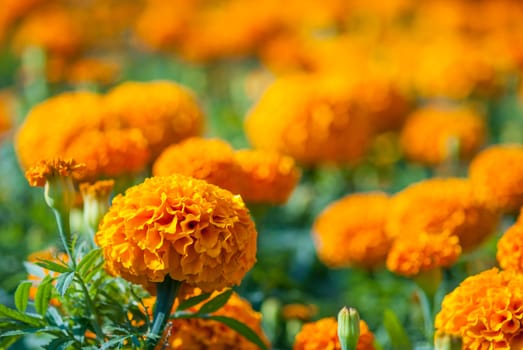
(215, 303)
(6, 342)
(193, 301)
(397, 334)
(60, 343)
(63, 282)
(114, 342)
(43, 295)
(86, 264)
(53, 266)
(18, 316)
(22, 295)
(54, 317)
(241, 328)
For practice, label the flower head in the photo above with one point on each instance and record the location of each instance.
(485, 311)
(351, 231)
(47, 170)
(96, 200)
(453, 130)
(510, 247)
(496, 175)
(176, 225)
(323, 334)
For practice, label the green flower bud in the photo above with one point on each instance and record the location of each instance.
(348, 328)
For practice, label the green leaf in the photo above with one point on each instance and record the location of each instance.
(22, 295)
(18, 316)
(63, 282)
(53, 266)
(241, 328)
(193, 301)
(215, 303)
(34, 270)
(114, 342)
(397, 334)
(88, 261)
(43, 295)
(60, 343)
(6, 342)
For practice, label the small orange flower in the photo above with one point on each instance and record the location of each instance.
(266, 177)
(351, 231)
(485, 311)
(44, 255)
(299, 311)
(510, 247)
(448, 207)
(412, 255)
(323, 334)
(496, 175)
(176, 225)
(7, 111)
(92, 70)
(45, 170)
(457, 130)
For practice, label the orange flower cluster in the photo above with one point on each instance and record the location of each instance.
(175, 225)
(454, 133)
(259, 176)
(44, 255)
(510, 247)
(485, 311)
(323, 334)
(7, 111)
(351, 231)
(412, 255)
(497, 177)
(44, 170)
(113, 134)
(299, 312)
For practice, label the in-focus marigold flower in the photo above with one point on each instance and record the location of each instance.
(323, 334)
(195, 232)
(45, 170)
(164, 111)
(454, 132)
(412, 255)
(299, 311)
(510, 247)
(266, 177)
(312, 118)
(448, 206)
(211, 160)
(485, 311)
(199, 334)
(351, 231)
(496, 175)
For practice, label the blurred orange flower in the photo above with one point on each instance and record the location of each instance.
(323, 334)
(7, 111)
(299, 311)
(510, 247)
(92, 70)
(484, 310)
(45, 255)
(176, 225)
(351, 231)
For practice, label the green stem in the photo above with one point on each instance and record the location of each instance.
(92, 310)
(427, 313)
(166, 292)
(62, 219)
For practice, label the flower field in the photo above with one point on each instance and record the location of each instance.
(235, 174)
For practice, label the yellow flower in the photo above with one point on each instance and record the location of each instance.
(164, 111)
(412, 255)
(211, 160)
(438, 206)
(312, 118)
(46, 170)
(266, 177)
(351, 231)
(175, 225)
(510, 247)
(457, 130)
(496, 175)
(323, 335)
(485, 311)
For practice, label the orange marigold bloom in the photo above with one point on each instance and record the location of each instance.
(92, 70)
(7, 111)
(299, 311)
(164, 111)
(351, 231)
(485, 311)
(44, 170)
(448, 207)
(414, 254)
(176, 225)
(510, 247)
(312, 118)
(497, 177)
(459, 130)
(323, 335)
(266, 177)
(211, 160)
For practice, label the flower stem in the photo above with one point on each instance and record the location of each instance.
(62, 219)
(166, 292)
(92, 310)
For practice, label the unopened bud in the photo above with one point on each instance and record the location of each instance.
(348, 328)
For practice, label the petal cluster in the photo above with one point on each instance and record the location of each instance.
(510, 247)
(45, 170)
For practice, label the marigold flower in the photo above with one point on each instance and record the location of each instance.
(164, 111)
(323, 334)
(484, 310)
(311, 118)
(175, 225)
(351, 231)
(496, 175)
(6, 111)
(46, 170)
(211, 160)
(457, 130)
(299, 311)
(510, 247)
(448, 207)
(412, 255)
(96, 200)
(266, 177)
(92, 70)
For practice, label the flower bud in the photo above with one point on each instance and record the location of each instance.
(348, 328)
